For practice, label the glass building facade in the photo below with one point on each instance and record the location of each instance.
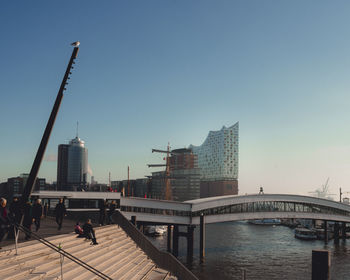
(218, 155)
(72, 165)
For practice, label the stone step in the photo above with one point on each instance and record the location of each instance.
(128, 268)
(71, 267)
(116, 255)
(102, 262)
(34, 250)
(47, 255)
(143, 271)
(25, 246)
(157, 274)
(136, 270)
(81, 247)
(115, 267)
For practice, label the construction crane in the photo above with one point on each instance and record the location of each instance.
(323, 192)
(168, 192)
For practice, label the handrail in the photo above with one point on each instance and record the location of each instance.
(63, 252)
(162, 259)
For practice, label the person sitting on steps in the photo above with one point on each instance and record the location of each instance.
(89, 232)
(78, 229)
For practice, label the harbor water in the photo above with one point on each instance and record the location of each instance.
(264, 252)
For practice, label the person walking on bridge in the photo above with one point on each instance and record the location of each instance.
(111, 211)
(37, 213)
(60, 213)
(102, 218)
(14, 216)
(28, 218)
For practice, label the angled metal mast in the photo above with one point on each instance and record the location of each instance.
(42, 147)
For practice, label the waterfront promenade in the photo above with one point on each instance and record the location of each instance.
(116, 255)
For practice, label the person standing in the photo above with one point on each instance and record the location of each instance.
(112, 207)
(4, 220)
(103, 209)
(15, 216)
(60, 213)
(27, 219)
(37, 213)
(46, 210)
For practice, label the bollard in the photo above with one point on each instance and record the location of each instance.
(169, 239)
(244, 274)
(202, 238)
(321, 263)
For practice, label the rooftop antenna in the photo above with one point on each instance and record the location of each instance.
(77, 129)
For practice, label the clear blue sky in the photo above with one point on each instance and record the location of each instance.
(153, 72)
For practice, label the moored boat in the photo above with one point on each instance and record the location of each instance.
(305, 234)
(155, 230)
(265, 222)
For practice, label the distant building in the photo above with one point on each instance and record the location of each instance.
(218, 162)
(72, 165)
(137, 187)
(15, 185)
(184, 177)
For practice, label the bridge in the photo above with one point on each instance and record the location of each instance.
(235, 208)
(208, 210)
(231, 208)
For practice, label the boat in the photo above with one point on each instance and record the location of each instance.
(266, 222)
(305, 234)
(155, 230)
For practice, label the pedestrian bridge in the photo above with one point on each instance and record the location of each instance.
(215, 209)
(235, 208)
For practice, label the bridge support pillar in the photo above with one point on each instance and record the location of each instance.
(190, 233)
(343, 231)
(169, 239)
(325, 226)
(336, 233)
(202, 239)
(176, 241)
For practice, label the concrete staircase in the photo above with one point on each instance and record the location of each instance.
(116, 255)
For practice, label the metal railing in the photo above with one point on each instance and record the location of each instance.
(62, 252)
(162, 259)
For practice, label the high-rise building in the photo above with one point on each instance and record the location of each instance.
(72, 165)
(218, 162)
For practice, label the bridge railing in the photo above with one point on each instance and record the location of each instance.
(162, 259)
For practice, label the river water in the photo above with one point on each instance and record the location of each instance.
(264, 252)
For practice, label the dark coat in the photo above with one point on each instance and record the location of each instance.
(112, 207)
(88, 231)
(3, 216)
(60, 210)
(37, 210)
(27, 214)
(15, 209)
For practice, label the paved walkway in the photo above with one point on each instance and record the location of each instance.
(48, 228)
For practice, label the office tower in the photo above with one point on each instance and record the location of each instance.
(72, 165)
(218, 162)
